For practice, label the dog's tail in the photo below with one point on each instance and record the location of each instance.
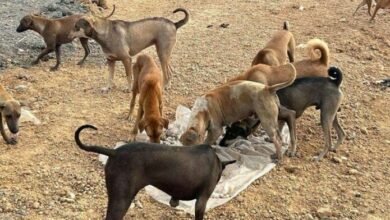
(317, 44)
(112, 12)
(225, 163)
(291, 77)
(286, 25)
(336, 74)
(182, 21)
(96, 149)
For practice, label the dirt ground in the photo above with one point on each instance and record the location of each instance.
(46, 176)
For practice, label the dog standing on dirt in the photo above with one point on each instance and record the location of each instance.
(379, 4)
(323, 93)
(277, 49)
(148, 83)
(185, 173)
(232, 102)
(10, 110)
(120, 40)
(55, 32)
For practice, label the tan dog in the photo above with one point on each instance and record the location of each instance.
(379, 4)
(277, 49)
(148, 82)
(122, 39)
(10, 110)
(232, 102)
(314, 66)
(55, 32)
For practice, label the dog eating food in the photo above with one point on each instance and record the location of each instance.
(185, 173)
(148, 82)
(323, 93)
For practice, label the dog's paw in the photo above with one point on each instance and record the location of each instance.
(35, 62)
(12, 141)
(80, 63)
(275, 158)
(54, 68)
(105, 90)
(290, 153)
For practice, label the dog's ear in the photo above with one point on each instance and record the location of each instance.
(165, 122)
(141, 125)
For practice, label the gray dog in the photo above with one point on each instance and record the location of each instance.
(323, 93)
(120, 40)
(185, 173)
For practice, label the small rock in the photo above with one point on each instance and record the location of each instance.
(364, 130)
(301, 8)
(36, 205)
(224, 25)
(324, 212)
(353, 172)
(337, 160)
(21, 88)
(351, 136)
(291, 169)
(139, 204)
(52, 7)
(343, 19)
(71, 195)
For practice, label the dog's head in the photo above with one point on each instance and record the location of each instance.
(11, 111)
(83, 28)
(191, 137)
(154, 128)
(25, 24)
(237, 129)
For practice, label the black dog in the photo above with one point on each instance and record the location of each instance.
(323, 93)
(185, 173)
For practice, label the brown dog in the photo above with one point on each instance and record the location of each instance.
(148, 82)
(315, 66)
(379, 4)
(232, 102)
(55, 32)
(10, 109)
(277, 49)
(122, 39)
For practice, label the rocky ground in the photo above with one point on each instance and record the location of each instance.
(46, 176)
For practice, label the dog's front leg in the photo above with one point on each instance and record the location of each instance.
(111, 69)
(132, 104)
(5, 137)
(127, 63)
(45, 51)
(58, 56)
(84, 43)
(213, 134)
(134, 132)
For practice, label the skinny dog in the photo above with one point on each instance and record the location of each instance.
(10, 110)
(323, 93)
(185, 173)
(148, 82)
(130, 39)
(277, 49)
(55, 32)
(230, 103)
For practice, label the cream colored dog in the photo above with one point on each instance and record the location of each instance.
(232, 102)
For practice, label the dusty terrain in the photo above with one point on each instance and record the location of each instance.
(46, 176)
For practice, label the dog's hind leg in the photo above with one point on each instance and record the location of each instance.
(134, 132)
(58, 56)
(326, 122)
(200, 206)
(121, 193)
(111, 69)
(164, 50)
(377, 7)
(213, 134)
(340, 133)
(84, 43)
